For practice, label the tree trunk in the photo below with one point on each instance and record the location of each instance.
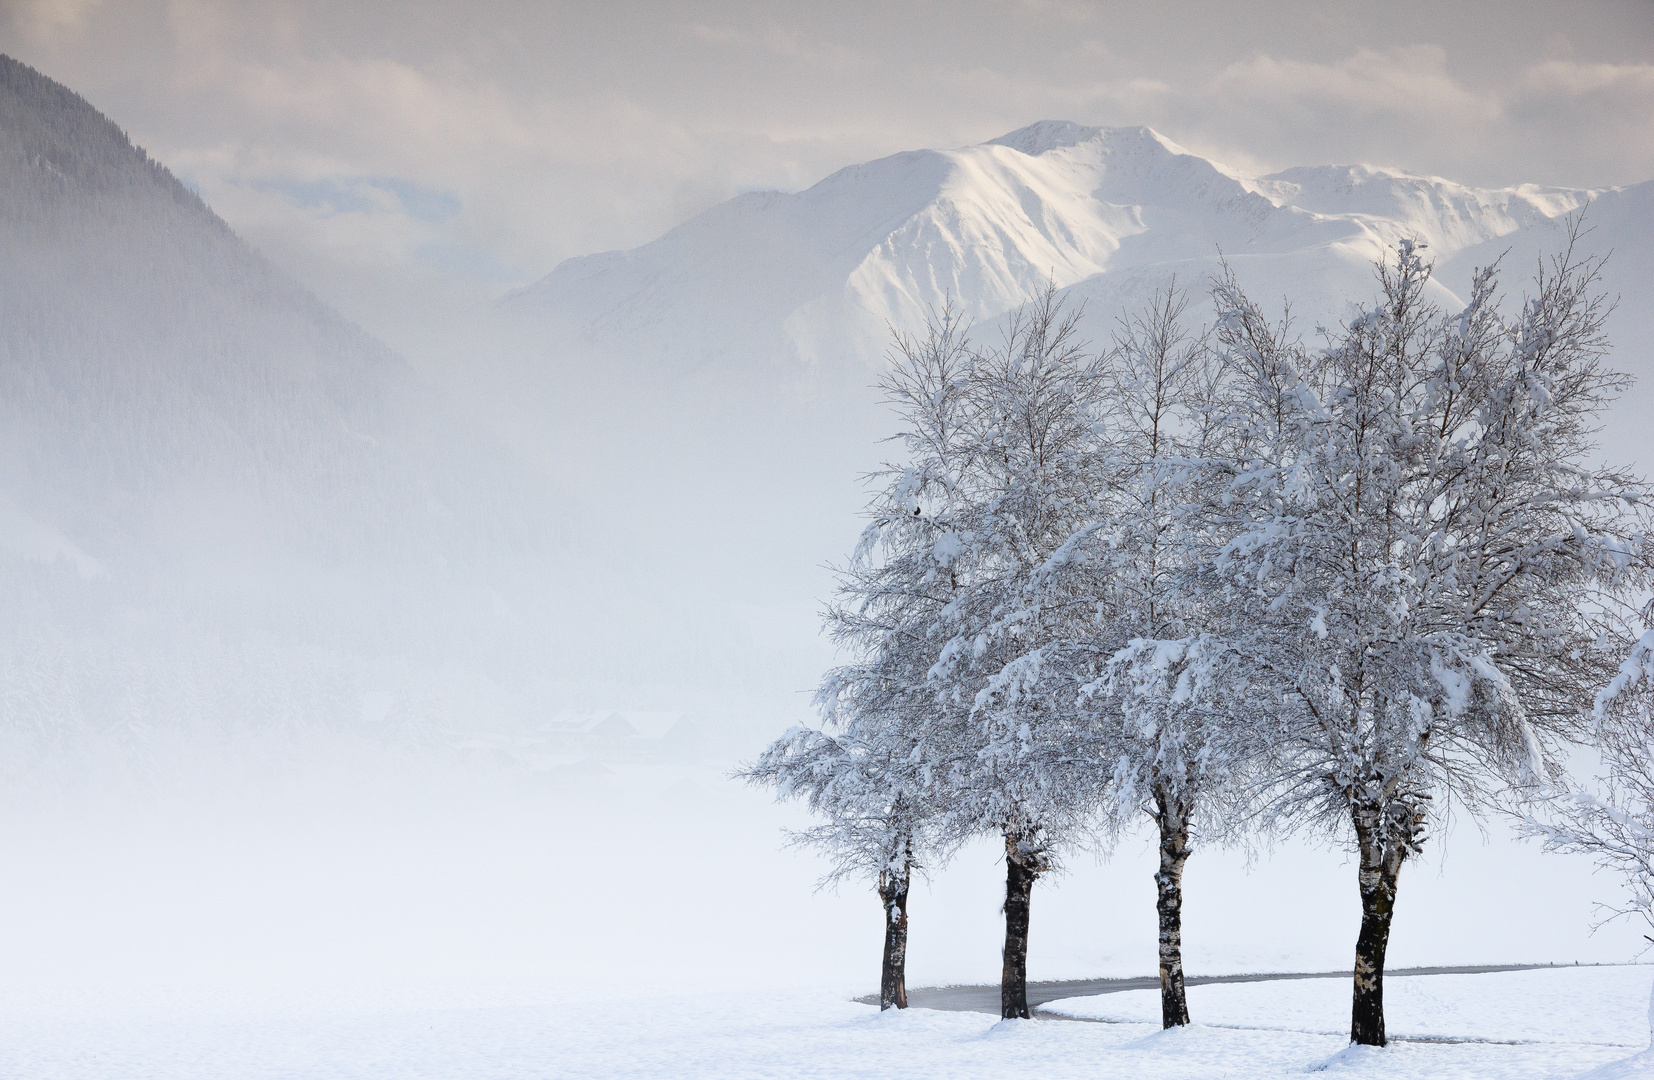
(1174, 852)
(1021, 868)
(893, 978)
(1382, 853)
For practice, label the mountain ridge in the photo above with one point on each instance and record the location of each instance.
(815, 277)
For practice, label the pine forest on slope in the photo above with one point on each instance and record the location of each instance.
(219, 500)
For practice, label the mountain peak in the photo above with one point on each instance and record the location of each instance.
(1037, 138)
(1046, 135)
(825, 272)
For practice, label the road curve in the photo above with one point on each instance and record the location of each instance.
(985, 999)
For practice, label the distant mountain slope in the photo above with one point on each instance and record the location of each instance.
(148, 356)
(816, 275)
(218, 498)
(805, 286)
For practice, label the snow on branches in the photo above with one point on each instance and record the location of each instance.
(1234, 582)
(1613, 819)
(1414, 548)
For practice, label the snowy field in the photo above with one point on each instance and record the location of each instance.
(1606, 1006)
(1551, 1024)
(420, 920)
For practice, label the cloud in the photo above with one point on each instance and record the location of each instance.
(1590, 101)
(778, 41)
(1573, 80)
(1569, 123)
(1598, 118)
(1405, 82)
(366, 194)
(355, 223)
(1071, 11)
(48, 17)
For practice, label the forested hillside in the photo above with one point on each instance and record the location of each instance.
(220, 502)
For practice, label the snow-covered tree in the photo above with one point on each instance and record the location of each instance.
(950, 603)
(1135, 701)
(872, 773)
(1027, 546)
(1017, 765)
(1414, 549)
(1612, 820)
(860, 782)
(1167, 709)
(1160, 704)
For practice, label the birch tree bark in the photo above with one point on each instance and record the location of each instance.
(1380, 869)
(1168, 881)
(1022, 868)
(893, 981)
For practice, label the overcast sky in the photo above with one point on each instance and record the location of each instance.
(420, 147)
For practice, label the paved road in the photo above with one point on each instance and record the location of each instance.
(986, 998)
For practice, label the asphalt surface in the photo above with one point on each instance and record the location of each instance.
(985, 999)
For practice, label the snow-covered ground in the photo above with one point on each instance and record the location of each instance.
(240, 874)
(1550, 1024)
(1598, 1005)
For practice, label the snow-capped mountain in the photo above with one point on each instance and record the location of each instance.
(818, 276)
